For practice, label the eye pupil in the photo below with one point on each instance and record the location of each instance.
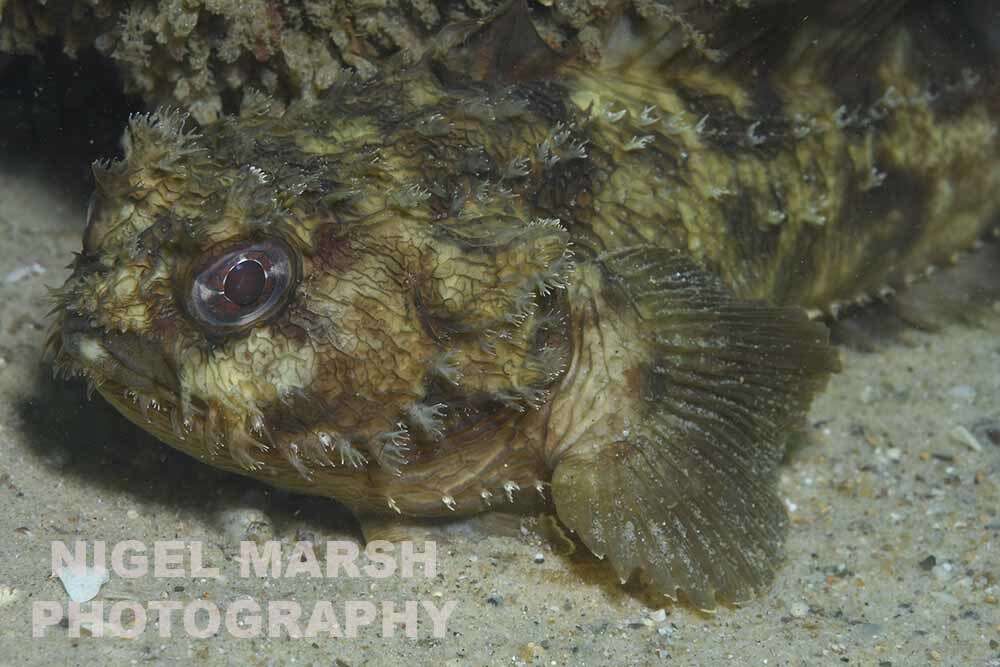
(245, 283)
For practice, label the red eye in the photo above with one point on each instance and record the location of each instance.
(244, 285)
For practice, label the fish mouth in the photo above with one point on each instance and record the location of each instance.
(114, 361)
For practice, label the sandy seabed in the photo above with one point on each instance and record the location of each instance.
(893, 556)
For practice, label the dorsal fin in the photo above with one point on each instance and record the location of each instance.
(835, 42)
(503, 48)
(754, 35)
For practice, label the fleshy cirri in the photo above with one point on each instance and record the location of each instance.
(496, 279)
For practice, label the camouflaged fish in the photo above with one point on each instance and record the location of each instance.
(495, 278)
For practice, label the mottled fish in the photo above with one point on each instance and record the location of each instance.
(495, 277)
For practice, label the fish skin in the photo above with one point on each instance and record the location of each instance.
(567, 288)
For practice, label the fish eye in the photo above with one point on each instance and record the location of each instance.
(241, 286)
(245, 283)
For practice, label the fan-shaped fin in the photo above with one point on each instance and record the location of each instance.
(685, 493)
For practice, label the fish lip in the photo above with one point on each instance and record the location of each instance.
(118, 359)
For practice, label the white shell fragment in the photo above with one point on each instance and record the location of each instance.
(963, 436)
(82, 584)
(23, 272)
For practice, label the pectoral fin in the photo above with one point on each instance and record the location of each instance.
(685, 494)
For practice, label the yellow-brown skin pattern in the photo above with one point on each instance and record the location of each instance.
(820, 204)
(527, 295)
(355, 344)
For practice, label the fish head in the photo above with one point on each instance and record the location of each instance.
(336, 285)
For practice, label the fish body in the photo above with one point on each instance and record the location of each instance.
(555, 287)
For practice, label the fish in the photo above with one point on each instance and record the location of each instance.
(497, 277)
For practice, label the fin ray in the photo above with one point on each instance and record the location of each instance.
(685, 495)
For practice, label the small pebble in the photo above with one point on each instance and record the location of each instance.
(246, 523)
(963, 392)
(942, 571)
(8, 595)
(658, 616)
(539, 557)
(798, 609)
(870, 630)
(944, 598)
